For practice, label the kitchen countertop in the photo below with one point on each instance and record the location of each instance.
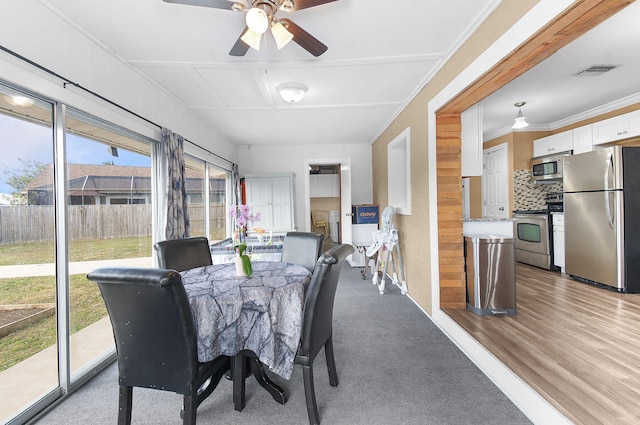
(488, 226)
(473, 220)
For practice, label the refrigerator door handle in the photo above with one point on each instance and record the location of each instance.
(608, 170)
(607, 207)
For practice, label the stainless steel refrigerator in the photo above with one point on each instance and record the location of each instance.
(602, 217)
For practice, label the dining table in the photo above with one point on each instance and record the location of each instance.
(256, 320)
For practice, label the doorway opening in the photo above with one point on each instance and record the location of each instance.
(324, 200)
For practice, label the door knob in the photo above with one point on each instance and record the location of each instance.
(501, 209)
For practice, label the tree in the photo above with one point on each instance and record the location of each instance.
(19, 179)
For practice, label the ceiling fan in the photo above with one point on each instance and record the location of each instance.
(261, 16)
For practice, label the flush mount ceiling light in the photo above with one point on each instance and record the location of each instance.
(520, 119)
(292, 92)
(261, 16)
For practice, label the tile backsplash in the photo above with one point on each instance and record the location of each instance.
(530, 196)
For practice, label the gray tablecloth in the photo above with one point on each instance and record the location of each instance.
(261, 313)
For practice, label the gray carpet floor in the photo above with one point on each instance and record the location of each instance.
(395, 367)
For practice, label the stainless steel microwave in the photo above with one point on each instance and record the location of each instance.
(547, 169)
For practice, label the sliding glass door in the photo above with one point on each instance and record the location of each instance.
(109, 221)
(206, 181)
(76, 193)
(28, 330)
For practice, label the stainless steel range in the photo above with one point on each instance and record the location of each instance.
(533, 234)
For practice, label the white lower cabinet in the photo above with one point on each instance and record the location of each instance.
(558, 240)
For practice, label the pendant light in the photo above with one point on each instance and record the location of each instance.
(520, 119)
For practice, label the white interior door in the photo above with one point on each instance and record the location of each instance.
(495, 182)
(345, 202)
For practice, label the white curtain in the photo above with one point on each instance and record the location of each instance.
(177, 225)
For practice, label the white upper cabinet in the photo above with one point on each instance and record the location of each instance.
(556, 143)
(471, 134)
(583, 139)
(324, 186)
(617, 128)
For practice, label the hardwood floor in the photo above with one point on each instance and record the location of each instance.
(576, 344)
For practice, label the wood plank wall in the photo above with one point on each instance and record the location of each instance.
(450, 241)
(577, 19)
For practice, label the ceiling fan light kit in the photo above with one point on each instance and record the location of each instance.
(252, 38)
(260, 16)
(281, 35)
(520, 121)
(292, 92)
(257, 20)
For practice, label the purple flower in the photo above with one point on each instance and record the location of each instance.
(242, 215)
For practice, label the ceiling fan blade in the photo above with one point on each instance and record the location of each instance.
(217, 4)
(304, 4)
(304, 39)
(240, 48)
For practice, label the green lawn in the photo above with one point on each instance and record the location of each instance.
(43, 252)
(86, 306)
(86, 303)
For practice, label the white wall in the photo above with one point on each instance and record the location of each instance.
(32, 30)
(291, 159)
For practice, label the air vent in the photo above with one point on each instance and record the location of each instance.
(596, 70)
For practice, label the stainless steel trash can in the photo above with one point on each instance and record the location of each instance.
(490, 262)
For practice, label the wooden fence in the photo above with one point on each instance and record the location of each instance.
(34, 223)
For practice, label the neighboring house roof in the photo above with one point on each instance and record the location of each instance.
(93, 179)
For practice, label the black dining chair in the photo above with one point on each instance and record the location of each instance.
(302, 248)
(317, 327)
(183, 254)
(155, 339)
